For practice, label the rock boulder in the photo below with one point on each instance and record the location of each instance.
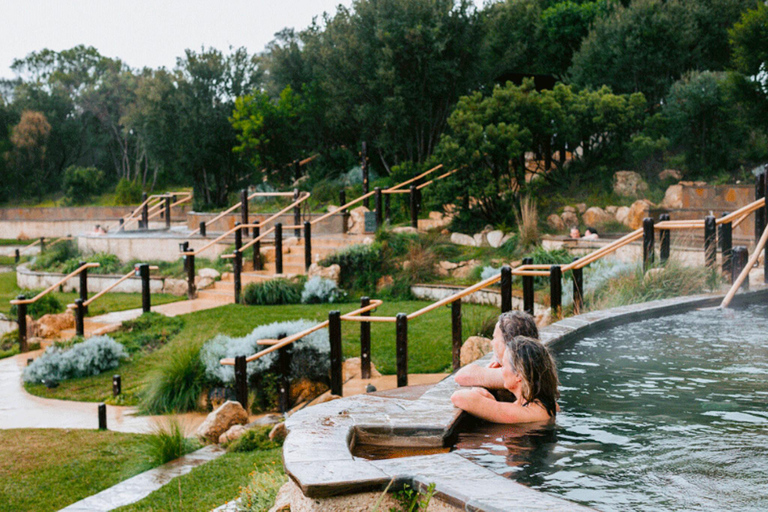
(50, 325)
(210, 273)
(670, 174)
(333, 272)
(176, 287)
(555, 222)
(357, 220)
(629, 184)
(474, 348)
(351, 369)
(495, 238)
(219, 421)
(673, 197)
(637, 212)
(303, 390)
(462, 239)
(234, 432)
(622, 212)
(596, 216)
(570, 219)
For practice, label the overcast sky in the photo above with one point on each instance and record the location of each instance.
(147, 32)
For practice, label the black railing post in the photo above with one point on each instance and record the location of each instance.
(555, 290)
(117, 385)
(401, 337)
(42, 244)
(241, 381)
(79, 317)
(120, 224)
(257, 249)
(528, 289)
(102, 411)
(284, 383)
(664, 239)
(203, 228)
(16, 256)
(334, 335)
(456, 333)
(21, 318)
(84, 284)
(648, 242)
(761, 212)
(344, 214)
(238, 236)
(167, 212)
(278, 248)
(414, 208)
(388, 207)
(307, 245)
(740, 258)
(726, 247)
(191, 287)
(296, 171)
(237, 270)
(506, 289)
(765, 222)
(144, 211)
(578, 289)
(379, 208)
(710, 241)
(145, 297)
(366, 183)
(296, 214)
(365, 341)
(244, 209)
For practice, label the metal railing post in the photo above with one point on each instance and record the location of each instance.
(379, 209)
(648, 241)
(365, 341)
(414, 208)
(278, 248)
(284, 383)
(79, 317)
(710, 241)
(145, 297)
(237, 270)
(21, 318)
(307, 245)
(334, 335)
(664, 239)
(578, 289)
(344, 215)
(203, 227)
(296, 214)
(740, 258)
(84, 284)
(456, 333)
(506, 289)
(168, 212)
(726, 247)
(257, 249)
(528, 289)
(144, 211)
(241, 381)
(401, 336)
(244, 209)
(555, 290)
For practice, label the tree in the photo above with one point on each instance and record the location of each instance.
(29, 139)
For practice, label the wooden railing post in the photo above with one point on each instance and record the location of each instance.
(257, 249)
(555, 290)
(79, 317)
(307, 245)
(344, 215)
(401, 336)
(414, 202)
(191, 287)
(120, 224)
(237, 270)
(278, 248)
(664, 240)
(145, 297)
(764, 209)
(202, 228)
(759, 213)
(726, 247)
(365, 341)
(296, 172)
(710, 241)
(238, 236)
(102, 413)
(241, 381)
(296, 214)
(16, 256)
(168, 212)
(244, 209)
(506, 289)
(456, 333)
(84, 284)
(334, 335)
(379, 208)
(284, 367)
(144, 212)
(578, 289)
(42, 244)
(740, 258)
(648, 242)
(388, 207)
(21, 318)
(117, 385)
(528, 289)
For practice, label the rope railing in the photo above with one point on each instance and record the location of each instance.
(53, 287)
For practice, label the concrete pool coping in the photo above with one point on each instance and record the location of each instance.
(317, 453)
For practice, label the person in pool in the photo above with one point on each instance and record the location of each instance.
(509, 325)
(528, 372)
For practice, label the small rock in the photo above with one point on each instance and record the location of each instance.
(357, 220)
(570, 219)
(581, 208)
(448, 265)
(406, 229)
(464, 271)
(445, 231)
(210, 273)
(479, 239)
(637, 212)
(279, 432)
(611, 210)
(436, 215)
(384, 282)
(673, 197)
(304, 390)
(201, 283)
(569, 209)
(622, 212)
(494, 238)
(107, 329)
(52, 324)
(670, 173)
(367, 241)
(233, 433)
(651, 273)
(462, 239)
(291, 241)
(333, 272)
(370, 388)
(283, 499)
(331, 208)
(351, 368)
(629, 184)
(176, 287)
(555, 222)
(266, 420)
(219, 421)
(596, 216)
(474, 348)
(696, 184)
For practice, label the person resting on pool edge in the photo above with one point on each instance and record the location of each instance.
(529, 372)
(509, 325)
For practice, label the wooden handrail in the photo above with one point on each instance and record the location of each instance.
(219, 238)
(110, 287)
(239, 204)
(58, 240)
(135, 214)
(341, 208)
(257, 239)
(438, 178)
(29, 246)
(53, 287)
(161, 210)
(408, 182)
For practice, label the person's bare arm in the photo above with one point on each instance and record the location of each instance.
(484, 406)
(476, 375)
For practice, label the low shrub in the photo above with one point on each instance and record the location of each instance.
(47, 304)
(52, 259)
(253, 439)
(319, 290)
(167, 442)
(127, 192)
(488, 272)
(361, 265)
(148, 332)
(272, 292)
(108, 263)
(259, 495)
(176, 383)
(91, 357)
(81, 184)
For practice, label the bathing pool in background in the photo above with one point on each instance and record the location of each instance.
(662, 414)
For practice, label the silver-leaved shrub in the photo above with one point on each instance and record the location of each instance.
(319, 290)
(91, 357)
(310, 356)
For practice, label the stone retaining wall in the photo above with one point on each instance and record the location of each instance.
(490, 297)
(31, 280)
(142, 245)
(330, 226)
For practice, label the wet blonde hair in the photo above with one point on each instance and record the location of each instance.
(531, 360)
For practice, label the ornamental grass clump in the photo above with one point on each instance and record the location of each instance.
(168, 442)
(319, 290)
(176, 383)
(90, 357)
(272, 292)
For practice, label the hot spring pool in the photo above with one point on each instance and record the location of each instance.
(662, 414)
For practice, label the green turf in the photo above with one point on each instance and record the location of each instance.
(210, 485)
(48, 469)
(13, 241)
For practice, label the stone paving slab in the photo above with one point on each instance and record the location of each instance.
(142, 485)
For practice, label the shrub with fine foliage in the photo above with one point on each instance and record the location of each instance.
(91, 357)
(319, 290)
(176, 383)
(272, 292)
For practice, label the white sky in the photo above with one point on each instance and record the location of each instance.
(147, 32)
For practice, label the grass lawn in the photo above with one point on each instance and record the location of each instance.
(45, 470)
(429, 349)
(13, 241)
(210, 485)
(106, 304)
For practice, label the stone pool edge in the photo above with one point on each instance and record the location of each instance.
(317, 452)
